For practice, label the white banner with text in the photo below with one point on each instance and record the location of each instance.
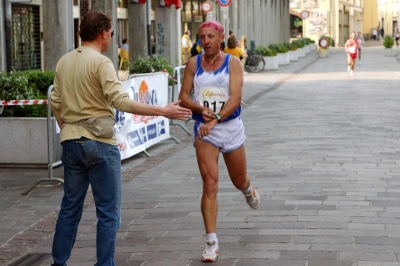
(135, 133)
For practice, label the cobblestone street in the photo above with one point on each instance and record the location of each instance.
(323, 149)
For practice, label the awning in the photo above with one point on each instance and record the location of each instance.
(177, 3)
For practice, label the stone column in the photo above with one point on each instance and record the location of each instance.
(241, 19)
(166, 39)
(58, 31)
(137, 31)
(109, 7)
(234, 20)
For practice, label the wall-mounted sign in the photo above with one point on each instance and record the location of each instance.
(224, 2)
(206, 7)
(304, 14)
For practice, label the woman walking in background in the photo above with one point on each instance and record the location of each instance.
(351, 47)
(360, 40)
(397, 37)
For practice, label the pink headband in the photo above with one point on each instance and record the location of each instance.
(213, 24)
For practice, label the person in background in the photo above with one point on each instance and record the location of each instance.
(397, 37)
(374, 34)
(196, 48)
(382, 32)
(153, 45)
(125, 45)
(86, 91)
(360, 40)
(233, 48)
(243, 46)
(186, 46)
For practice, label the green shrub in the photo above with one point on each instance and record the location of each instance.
(25, 86)
(308, 41)
(299, 43)
(265, 51)
(388, 41)
(274, 46)
(152, 64)
(282, 49)
(293, 46)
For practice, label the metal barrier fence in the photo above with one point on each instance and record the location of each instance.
(179, 77)
(51, 139)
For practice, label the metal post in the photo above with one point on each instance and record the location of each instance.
(50, 149)
(9, 40)
(148, 7)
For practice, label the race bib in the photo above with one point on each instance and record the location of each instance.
(352, 50)
(213, 97)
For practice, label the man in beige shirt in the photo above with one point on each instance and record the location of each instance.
(86, 89)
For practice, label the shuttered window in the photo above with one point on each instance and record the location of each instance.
(26, 37)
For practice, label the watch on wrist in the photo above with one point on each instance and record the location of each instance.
(218, 117)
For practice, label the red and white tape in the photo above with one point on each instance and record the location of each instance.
(23, 102)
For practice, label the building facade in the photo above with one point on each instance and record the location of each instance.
(36, 33)
(334, 18)
(388, 15)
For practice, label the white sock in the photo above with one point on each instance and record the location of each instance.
(247, 191)
(212, 237)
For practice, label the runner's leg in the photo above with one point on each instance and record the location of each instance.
(207, 159)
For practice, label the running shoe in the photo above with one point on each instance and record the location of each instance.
(359, 62)
(351, 73)
(253, 198)
(348, 69)
(210, 254)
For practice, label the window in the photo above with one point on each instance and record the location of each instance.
(26, 37)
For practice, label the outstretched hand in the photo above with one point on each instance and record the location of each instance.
(174, 111)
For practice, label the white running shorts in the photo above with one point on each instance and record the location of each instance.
(227, 136)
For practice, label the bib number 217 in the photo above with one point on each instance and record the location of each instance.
(214, 105)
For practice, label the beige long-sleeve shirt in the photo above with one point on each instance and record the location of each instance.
(85, 86)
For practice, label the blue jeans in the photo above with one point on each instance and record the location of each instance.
(91, 162)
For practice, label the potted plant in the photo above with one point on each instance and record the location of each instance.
(154, 64)
(300, 47)
(307, 45)
(293, 54)
(283, 54)
(26, 126)
(388, 43)
(313, 45)
(270, 57)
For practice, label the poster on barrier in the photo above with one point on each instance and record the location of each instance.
(135, 133)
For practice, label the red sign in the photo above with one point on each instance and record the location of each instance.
(206, 7)
(224, 2)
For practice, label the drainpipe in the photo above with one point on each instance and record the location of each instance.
(148, 17)
(8, 27)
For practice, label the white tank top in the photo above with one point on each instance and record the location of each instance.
(211, 89)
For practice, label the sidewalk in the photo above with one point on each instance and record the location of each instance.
(322, 148)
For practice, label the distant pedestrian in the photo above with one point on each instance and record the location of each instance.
(233, 48)
(378, 34)
(153, 45)
(374, 33)
(397, 36)
(351, 47)
(196, 48)
(360, 40)
(125, 45)
(243, 46)
(382, 32)
(186, 46)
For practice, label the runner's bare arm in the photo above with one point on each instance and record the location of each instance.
(236, 88)
(187, 86)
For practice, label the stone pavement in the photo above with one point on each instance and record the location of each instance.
(321, 148)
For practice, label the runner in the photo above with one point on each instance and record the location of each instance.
(351, 47)
(217, 81)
